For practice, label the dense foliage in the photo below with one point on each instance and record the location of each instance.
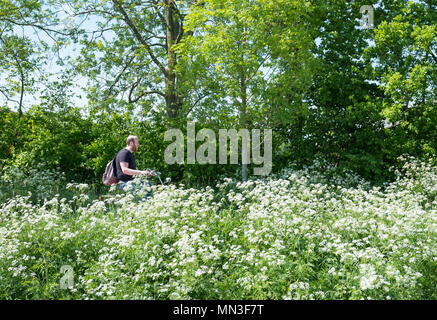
(358, 97)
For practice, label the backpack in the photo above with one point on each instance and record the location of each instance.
(110, 176)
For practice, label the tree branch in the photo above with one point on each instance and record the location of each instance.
(200, 98)
(181, 23)
(139, 37)
(433, 55)
(163, 21)
(119, 76)
(141, 94)
(32, 24)
(7, 97)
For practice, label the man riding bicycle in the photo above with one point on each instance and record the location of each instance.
(126, 167)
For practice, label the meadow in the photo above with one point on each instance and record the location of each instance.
(308, 233)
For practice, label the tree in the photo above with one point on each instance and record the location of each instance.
(27, 30)
(23, 56)
(405, 65)
(130, 54)
(244, 52)
(342, 122)
(17, 52)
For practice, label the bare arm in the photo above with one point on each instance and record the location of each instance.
(131, 172)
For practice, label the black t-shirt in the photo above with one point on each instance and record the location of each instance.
(125, 156)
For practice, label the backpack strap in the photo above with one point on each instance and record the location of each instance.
(114, 166)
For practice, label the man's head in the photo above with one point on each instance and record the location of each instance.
(132, 143)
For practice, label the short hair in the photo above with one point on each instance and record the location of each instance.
(131, 139)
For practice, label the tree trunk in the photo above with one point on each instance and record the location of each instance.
(172, 99)
(20, 106)
(244, 148)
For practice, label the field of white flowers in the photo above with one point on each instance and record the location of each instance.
(300, 234)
